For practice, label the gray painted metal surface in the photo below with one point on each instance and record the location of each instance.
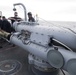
(63, 35)
(35, 39)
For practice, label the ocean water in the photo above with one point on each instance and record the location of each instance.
(66, 24)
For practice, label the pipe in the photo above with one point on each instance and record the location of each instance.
(60, 34)
(25, 13)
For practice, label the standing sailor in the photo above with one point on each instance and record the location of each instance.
(0, 28)
(15, 18)
(0, 22)
(30, 18)
(6, 26)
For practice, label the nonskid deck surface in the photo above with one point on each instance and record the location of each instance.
(14, 60)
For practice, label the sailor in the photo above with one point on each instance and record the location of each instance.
(15, 18)
(30, 18)
(6, 26)
(0, 22)
(0, 28)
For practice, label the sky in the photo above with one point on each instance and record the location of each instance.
(52, 10)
